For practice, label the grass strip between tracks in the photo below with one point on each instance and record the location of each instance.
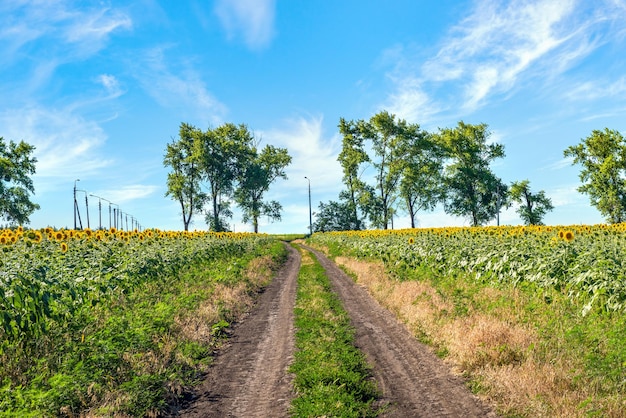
(332, 377)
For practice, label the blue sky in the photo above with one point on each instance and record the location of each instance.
(100, 88)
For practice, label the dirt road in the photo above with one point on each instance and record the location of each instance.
(249, 378)
(413, 380)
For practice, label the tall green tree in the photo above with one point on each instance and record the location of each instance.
(389, 140)
(351, 159)
(533, 206)
(421, 185)
(259, 171)
(16, 167)
(473, 190)
(185, 158)
(224, 152)
(602, 156)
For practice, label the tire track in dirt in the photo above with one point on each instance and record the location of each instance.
(414, 382)
(249, 377)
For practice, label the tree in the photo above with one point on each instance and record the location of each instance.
(390, 143)
(224, 151)
(603, 158)
(335, 216)
(533, 205)
(351, 158)
(16, 167)
(421, 186)
(389, 140)
(473, 190)
(184, 156)
(259, 171)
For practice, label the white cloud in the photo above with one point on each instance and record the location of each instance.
(489, 49)
(313, 155)
(184, 89)
(66, 144)
(565, 195)
(597, 90)
(560, 164)
(252, 19)
(111, 84)
(500, 47)
(128, 193)
(66, 30)
(410, 102)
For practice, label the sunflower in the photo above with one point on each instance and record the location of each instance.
(562, 234)
(411, 241)
(59, 235)
(64, 247)
(569, 236)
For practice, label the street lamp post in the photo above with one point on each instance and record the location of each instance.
(310, 213)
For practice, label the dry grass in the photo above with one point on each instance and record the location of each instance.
(225, 300)
(494, 349)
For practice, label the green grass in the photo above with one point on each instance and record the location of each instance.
(587, 351)
(131, 356)
(332, 377)
(289, 237)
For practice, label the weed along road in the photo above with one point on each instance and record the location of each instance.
(251, 377)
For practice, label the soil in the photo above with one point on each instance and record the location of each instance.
(250, 378)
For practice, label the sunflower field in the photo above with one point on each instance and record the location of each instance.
(75, 306)
(588, 263)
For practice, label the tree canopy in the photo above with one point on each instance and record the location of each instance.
(227, 161)
(184, 157)
(472, 189)
(391, 142)
(225, 150)
(533, 206)
(259, 171)
(334, 216)
(602, 156)
(16, 167)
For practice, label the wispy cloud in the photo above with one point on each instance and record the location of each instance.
(501, 47)
(64, 30)
(313, 154)
(410, 102)
(66, 144)
(111, 84)
(251, 19)
(560, 164)
(125, 194)
(565, 195)
(183, 88)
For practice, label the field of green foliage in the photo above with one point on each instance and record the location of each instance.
(103, 321)
(533, 317)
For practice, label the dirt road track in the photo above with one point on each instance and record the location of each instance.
(249, 377)
(414, 381)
